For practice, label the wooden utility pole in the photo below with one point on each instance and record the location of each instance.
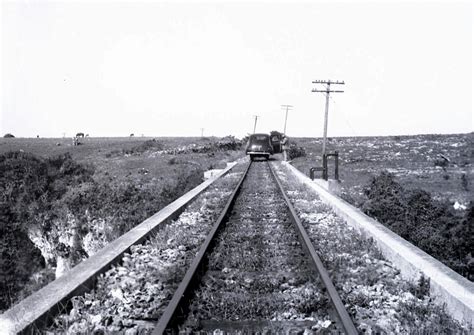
(255, 124)
(202, 132)
(288, 107)
(327, 91)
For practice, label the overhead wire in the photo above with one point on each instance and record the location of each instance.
(344, 116)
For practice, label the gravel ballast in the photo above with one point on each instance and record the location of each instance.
(374, 293)
(258, 276)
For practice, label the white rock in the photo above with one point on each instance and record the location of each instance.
(63, 265)
(95, 319)
(458, 206)
(326, 324)
(117, 293)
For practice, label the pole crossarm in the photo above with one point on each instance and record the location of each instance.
(314, 90)
(337, 82)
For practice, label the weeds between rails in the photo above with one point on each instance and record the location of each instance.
(254, 276)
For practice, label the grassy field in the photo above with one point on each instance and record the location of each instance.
(107, 155)
(416, 162)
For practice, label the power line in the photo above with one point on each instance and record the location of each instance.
(328, 90)
(344, 116)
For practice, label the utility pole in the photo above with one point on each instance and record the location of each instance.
(202, 132)
(255, 124)
(327, 91)
(288, 107)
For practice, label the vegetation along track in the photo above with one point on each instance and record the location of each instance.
(131, 295)
(253, 273)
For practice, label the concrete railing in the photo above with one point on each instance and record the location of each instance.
(34, 311)
(446, 286)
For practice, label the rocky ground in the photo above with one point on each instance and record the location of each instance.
(442, 165)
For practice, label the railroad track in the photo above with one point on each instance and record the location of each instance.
(253, 270)
(249, 268)
(256, 271)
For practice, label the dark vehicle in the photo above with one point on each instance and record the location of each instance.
(275, 139)
(259, 145)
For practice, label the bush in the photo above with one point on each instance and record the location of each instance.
(30, 189)
(227, 143)
(137, 150)
(143, 147)
(441, 163)
(124, 206)
(20, 258)
(431, 225)
(58, 196)
(8, 135)
(296, 151)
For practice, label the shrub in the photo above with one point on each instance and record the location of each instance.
(20, 258)
(124, 206)
(8, 135)
(143, 147)
(137, 150)
(58, 196)
(30, 189)
(431, 225)
(441, 163)
(296, 151)
(228, 143)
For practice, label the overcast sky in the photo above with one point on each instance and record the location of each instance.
(170, 69)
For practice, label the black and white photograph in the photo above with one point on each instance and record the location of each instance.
(236, 167)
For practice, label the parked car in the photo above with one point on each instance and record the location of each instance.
(259, 145)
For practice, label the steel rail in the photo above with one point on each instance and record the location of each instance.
(168, 318)
(341, 311)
